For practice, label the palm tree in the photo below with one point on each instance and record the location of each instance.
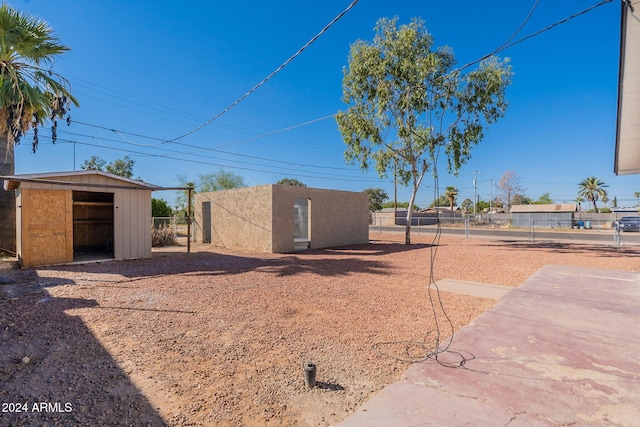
(592, 189)
(30, 93)
(450, 194)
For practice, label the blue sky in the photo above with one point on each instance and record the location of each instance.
(145, 72)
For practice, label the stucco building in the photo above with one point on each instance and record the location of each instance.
(281, 218)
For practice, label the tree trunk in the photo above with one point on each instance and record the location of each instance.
(416, 184)
(7, 198)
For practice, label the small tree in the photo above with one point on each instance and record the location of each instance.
(450, 194)
(93, 163)
(377, 196)
(467, 205)
(291, 181)
(160, 208)
(545, 199)
(182, 199)
(509, 186)
(439, 202)
(121, 167)
(407, 102)
(592, 189)
(521, 199)
(220, 180)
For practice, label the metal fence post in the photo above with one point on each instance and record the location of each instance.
(532, 230)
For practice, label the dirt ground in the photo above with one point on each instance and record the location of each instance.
(219, 337)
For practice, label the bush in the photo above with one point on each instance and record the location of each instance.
(162, 236)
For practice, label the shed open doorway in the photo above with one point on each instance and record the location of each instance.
(301, 223)
(92, 225)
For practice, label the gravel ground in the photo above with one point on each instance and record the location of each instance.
(219, 337)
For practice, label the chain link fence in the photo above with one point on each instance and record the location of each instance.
(587, 229)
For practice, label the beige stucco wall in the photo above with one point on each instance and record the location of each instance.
(338, 218)
(261, 218)
(240, 218)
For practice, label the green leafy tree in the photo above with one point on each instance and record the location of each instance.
(377, 196)
(440, 202)
(450, 194)
(401, 205)
(183, 195)
(467, 205)
(220, 180)
(520, 199)
(291, 181)
(94, 163)
(482, 205)
(545, 199)
(406, 102)
(592, 189)
(160, 208)
(121, 167)
(30, 94)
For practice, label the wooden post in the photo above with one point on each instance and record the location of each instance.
(189, 220)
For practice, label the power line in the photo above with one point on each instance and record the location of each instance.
(332, 177)
(520, 40)
(502, 47)
(199, 149)
(273, 73)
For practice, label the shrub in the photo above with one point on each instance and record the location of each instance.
(162, 236)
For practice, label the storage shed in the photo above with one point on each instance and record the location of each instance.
(63, 217)
(543, 216)
(281, 218)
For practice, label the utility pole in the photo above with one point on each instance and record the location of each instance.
(491, 194)
(475, 198)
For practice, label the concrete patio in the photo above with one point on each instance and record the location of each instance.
(563, 348)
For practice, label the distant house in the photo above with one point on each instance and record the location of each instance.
(545, 216)
(69, 216)
(281, 218)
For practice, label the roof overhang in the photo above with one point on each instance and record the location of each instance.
(12, 182)
(627, 155)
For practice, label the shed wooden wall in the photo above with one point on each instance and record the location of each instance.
(46, 227)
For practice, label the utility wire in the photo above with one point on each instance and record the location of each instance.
(208, 149)
(507, 44)
(520, 40)
(273, 73)
(331, 177)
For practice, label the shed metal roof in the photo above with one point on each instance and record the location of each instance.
(561, 207)
(12, 182)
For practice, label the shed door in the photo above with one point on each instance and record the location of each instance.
(47, 227)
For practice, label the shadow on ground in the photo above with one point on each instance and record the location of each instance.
(558, 247)
(341, 261)
(52, 365)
